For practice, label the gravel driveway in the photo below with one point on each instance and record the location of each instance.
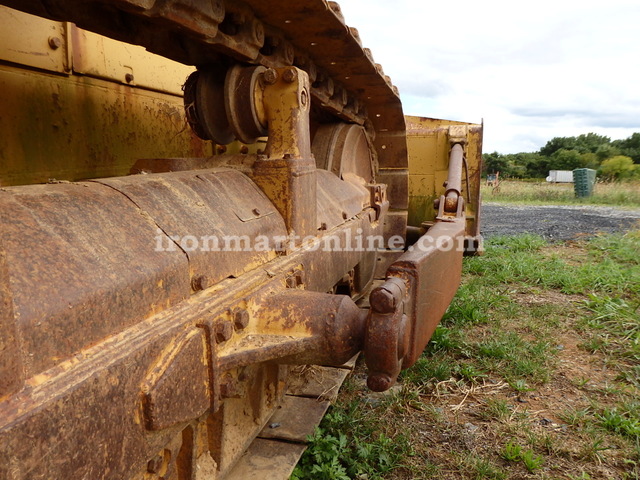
(555, 222)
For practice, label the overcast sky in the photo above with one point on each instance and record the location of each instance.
(531, 70)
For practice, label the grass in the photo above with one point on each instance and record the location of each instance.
(534, 372)
(540, 192)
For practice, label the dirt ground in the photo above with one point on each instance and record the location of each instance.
(555, 222)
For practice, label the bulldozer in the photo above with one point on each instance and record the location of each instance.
(199, 199)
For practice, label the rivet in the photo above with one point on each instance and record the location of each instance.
(55, 43)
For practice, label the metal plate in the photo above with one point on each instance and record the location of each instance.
(83, 265)
(33, 41)
(295, 419)
(267, 460)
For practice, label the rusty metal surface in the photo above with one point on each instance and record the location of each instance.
(64, 401)
(274, 34)
(177, 389)
(387, 335)
(343, 149)
(77, 253)
(199, 209)
(296, 419)
(286, 173)
(267, 459)
(316, 382)
(78, 127)
(168, 361)
(11, 371)
(432, 274)
(338, 200)
(241, 162)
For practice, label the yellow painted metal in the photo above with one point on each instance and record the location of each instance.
(92, 128)
(76, 105)
(33, 41)
(428, 143)
(103, 57)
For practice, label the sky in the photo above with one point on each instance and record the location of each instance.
(530, 70)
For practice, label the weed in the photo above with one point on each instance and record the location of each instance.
(593, 449)
(367, 451)
(575, 417)
(512, 452)
(583, 476)
(479, 468)
(496, 409)
(623, 423)
(531, 461)
(469, 372)
(438, 367)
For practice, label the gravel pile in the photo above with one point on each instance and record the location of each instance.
(556, 222)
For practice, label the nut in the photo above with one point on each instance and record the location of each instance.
(290, 75)
(240, 319)
(224, 331)
(201, 282)
(270, 76)
(382, 300)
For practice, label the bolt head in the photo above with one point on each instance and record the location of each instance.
(382, 301)
(228, 387)
(270, 76)
(223, 331)
(290, 75)
(155, 464)
(201, 282)
(241, 319)
(55, 43)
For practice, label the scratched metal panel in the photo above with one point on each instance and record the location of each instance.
(82, 266)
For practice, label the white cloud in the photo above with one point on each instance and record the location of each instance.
(532, 71)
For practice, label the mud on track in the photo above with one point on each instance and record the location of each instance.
(556, 222)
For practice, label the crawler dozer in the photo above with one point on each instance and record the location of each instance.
(199, 200)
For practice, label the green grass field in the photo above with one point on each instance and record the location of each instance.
(534, 372)
(626, 194)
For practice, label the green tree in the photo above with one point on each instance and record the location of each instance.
(607, 150)
(629, 147)
(494, 162)
(565, 160)
(558, 143)
(618, 168)
(590, 160)
(585, 143)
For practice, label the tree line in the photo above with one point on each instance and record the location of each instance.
(614, 160)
